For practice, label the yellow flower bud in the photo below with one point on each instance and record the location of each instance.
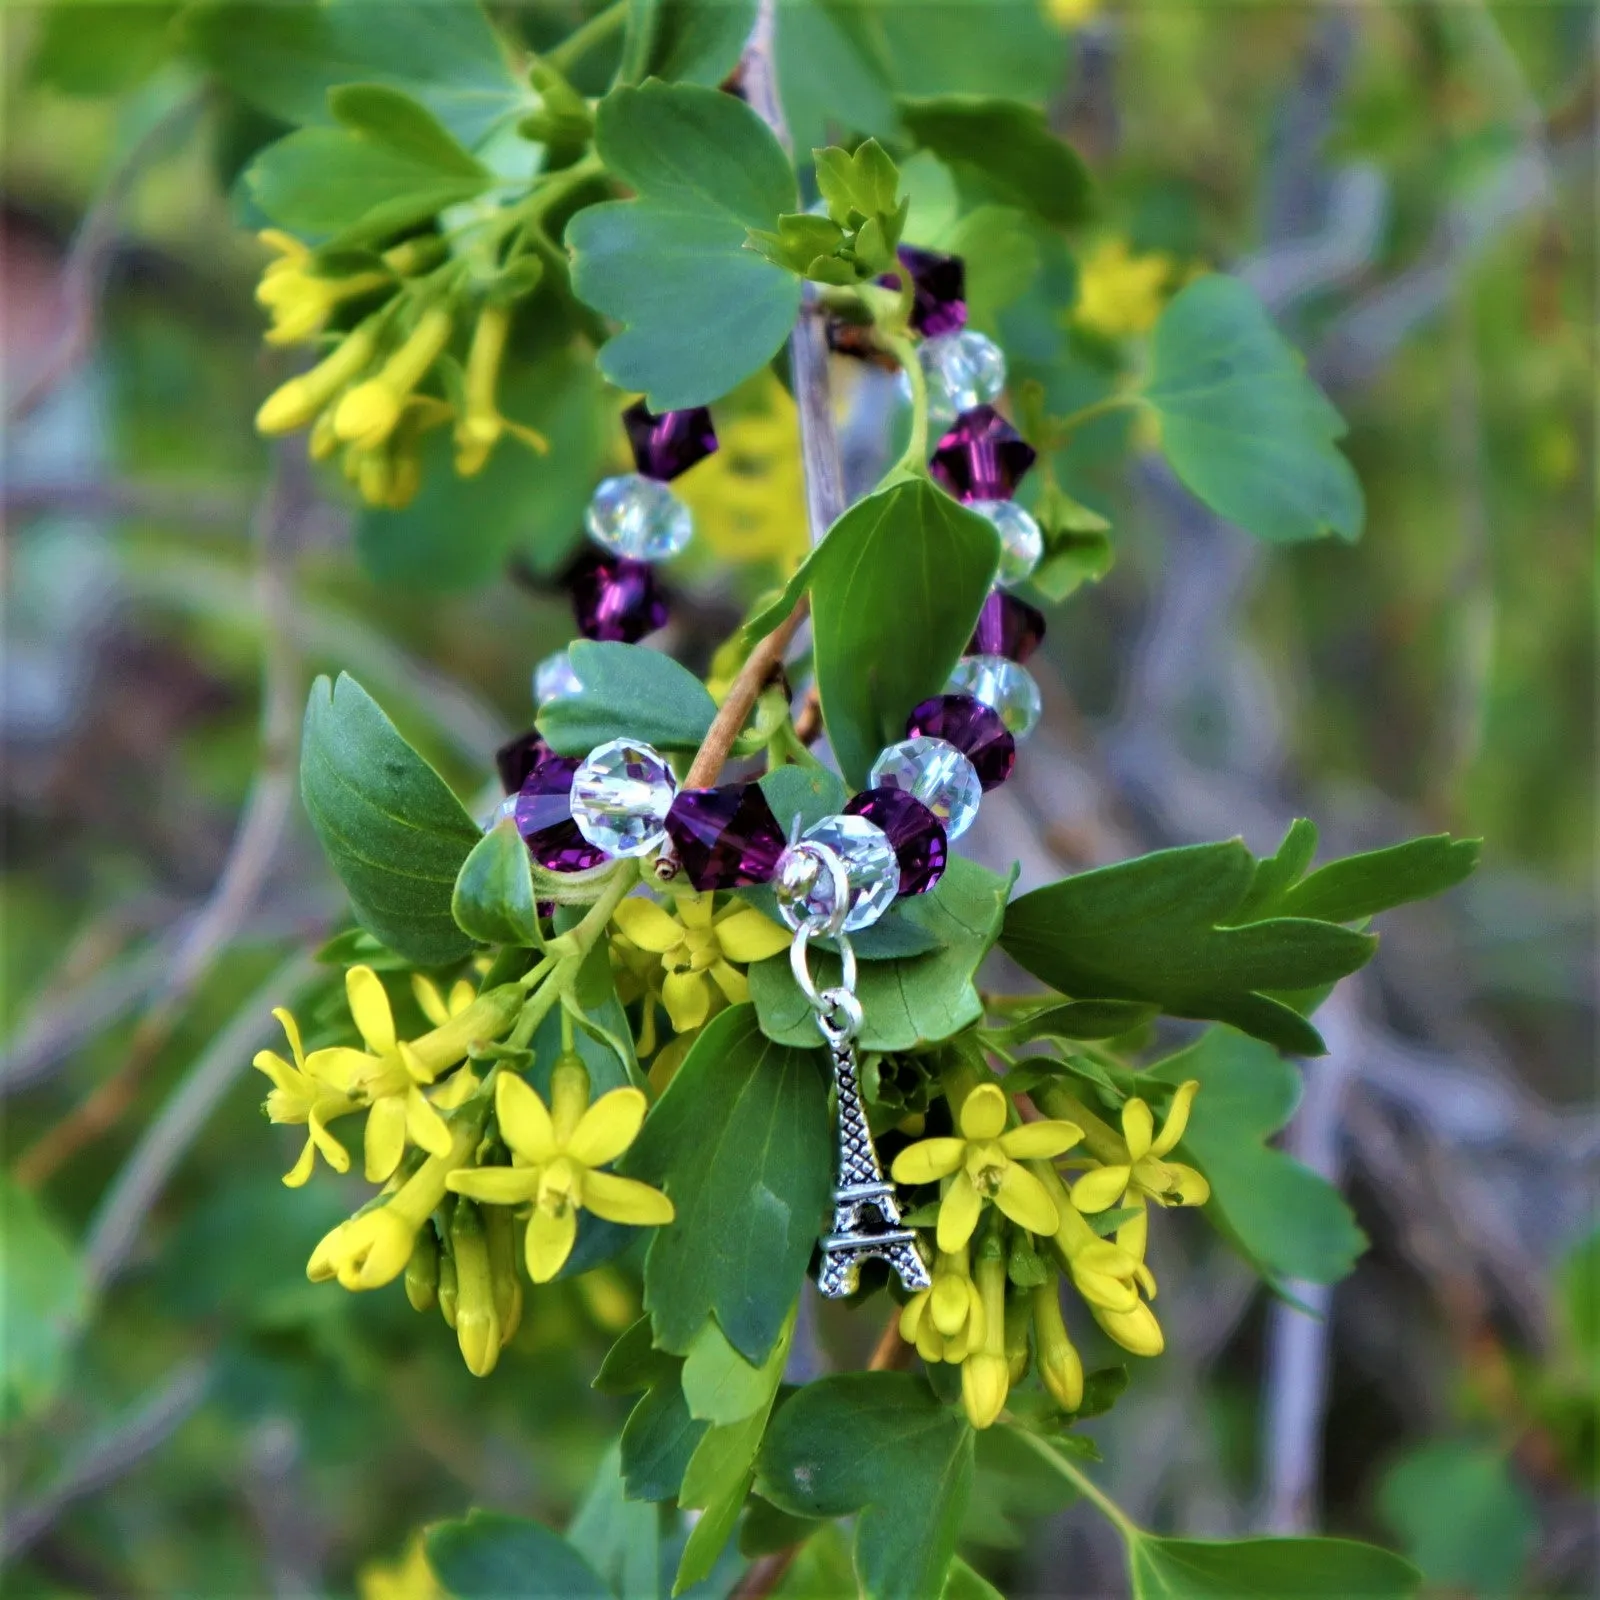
(373, 475)
(1060, 1366)
(369, 412)
(477, 1319)
(501, 1232)
(299, 400)
(569, 1095)
(447, 1288)
(986, 1373)
(1136, 1331)
(422, 1271)
(1019, 1353)
(324, 438)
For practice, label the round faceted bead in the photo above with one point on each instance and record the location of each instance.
(621, 794)
(1021, 542)
(555, 678)
(974, 728)
(963, 370)
(726, 838)
(936, 773)
(616, 599)
(1007, 627)
(544, 818)
(808, 887)
(920, 843)
(634, 516)
(1003, 684)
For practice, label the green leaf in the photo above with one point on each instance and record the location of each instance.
(740, 1142)
(1241, 423)
(628, 692)
(699, 41)
(459, 532)
(1001, 252)
(394, 119)
(720, 1385)
(1361, 886)
(493, 900)
(1082, 1019)
(620, 1538)
(660, 1437)
(962, 1583)
(1009, 1490)
(878, 1444)
(487, 1556)
(388, 823)
(285, 58)
(806, 793)
(43, 1302)
(1076, 547)
(896, 587)
(1265, 1569)
(1287, 1220)
(1010, 146)
(1154, 929)
(671, 264)
(797, 241)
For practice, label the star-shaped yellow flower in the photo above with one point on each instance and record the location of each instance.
(306, 1092)
(555, 1164)
(1120, 293)
(1145, 1175)
(984, 1164)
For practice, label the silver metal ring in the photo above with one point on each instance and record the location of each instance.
(828, 1003)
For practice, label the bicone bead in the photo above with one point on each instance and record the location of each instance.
(1021, 540)
(726, 838)
(544, 818)
(616, 599)
(845, 850)
(555, 678)
(920, 843)
(621, 794)
(936, 773)
(667, 443)
(1003, 684)
(634, 516)
(974, 727)
(516, 758)
(939, 291)
(1007, 627)
(962, 370)
(982, 457)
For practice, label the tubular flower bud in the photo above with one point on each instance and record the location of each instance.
(986, 1374)
(477, 1319)
(299, 298)
(501, 1232)
(297, 402)
(1136, 1331)
(448, 1296)
(369, 413)
(1060, 1366)
(1019, 1351)
(481, 424)
(422, 1271)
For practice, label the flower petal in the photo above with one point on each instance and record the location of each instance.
(983, 1112)
(369, 1007)
(749, 935)
(950, 1302)
(687, 999)
(694, 910)
(291, 1030)
(429, 1001)
(608, 1127)
(1137, 1127)
(958, 1213)
(416, 1069)
(549, 1242)
(386, 1137)
(625, 1200)
(1177, 1117)
(1136, 1330)
(1134, 1234)
(424, 1125)
(333, 1152)
(1026, 1201)
(734, 985)
(524, 1119)
(341, 1068)
(1040, 1141)
(1185, 1186)
(928, 1159)
(1100, 1289)
(282, 1074)
(462, 994)
(650, 925)
(301, 1170)
(496, 1186)
(912, 1313)
(1097, 1190)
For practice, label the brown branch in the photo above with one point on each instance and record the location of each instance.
(892, 1354)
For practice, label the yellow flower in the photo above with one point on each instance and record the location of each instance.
(1060, 1365)
(1120, 293)
(477, 1314)
(479, 429)
(304, 1093)
(946, 1321)
(409, 1578)
(556, 1155)
(984, 1164)
(299, 299)
(986, 1372)
(697, 947)
(371, 411)
(1072, 13)
(1143, 1174)
(297, 402)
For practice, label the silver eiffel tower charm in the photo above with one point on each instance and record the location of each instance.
(866, 1216)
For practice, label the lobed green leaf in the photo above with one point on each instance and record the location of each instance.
(628, 691)
(487, 1555)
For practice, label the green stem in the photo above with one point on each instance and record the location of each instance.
(577, 44)
(915, 459)
(579, 941)
(1064, 427)
(1102, 1502)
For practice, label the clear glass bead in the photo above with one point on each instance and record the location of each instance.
(936, 773)
(620, 798)
(1021, 542)
(555, 679)
(962, 370)
(639, 518)
(807, 883)
(1003, 684)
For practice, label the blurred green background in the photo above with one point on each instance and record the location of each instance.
(1411, 187)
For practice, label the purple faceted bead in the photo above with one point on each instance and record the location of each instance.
(518, 757)
(544, 818)
(918, 837)
(726, 838)
(973, 728)
(670, 442)
(939, 284)
(982, 457)
(1007, 627)
(617, 599)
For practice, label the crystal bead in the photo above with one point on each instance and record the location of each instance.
(920, 843)
(544, 818)
(962, 370)
(620, 798)
(936, 773)
(982, 457)
(555, 678)
(939, 289)
(668, 442)
(500, 811)
(516, 758)
(1021, 541)
(807, 882)
(1003, 684)
(726, 838)
(637, 517)
(616, 599)
(974, 728)
(1007, 627)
